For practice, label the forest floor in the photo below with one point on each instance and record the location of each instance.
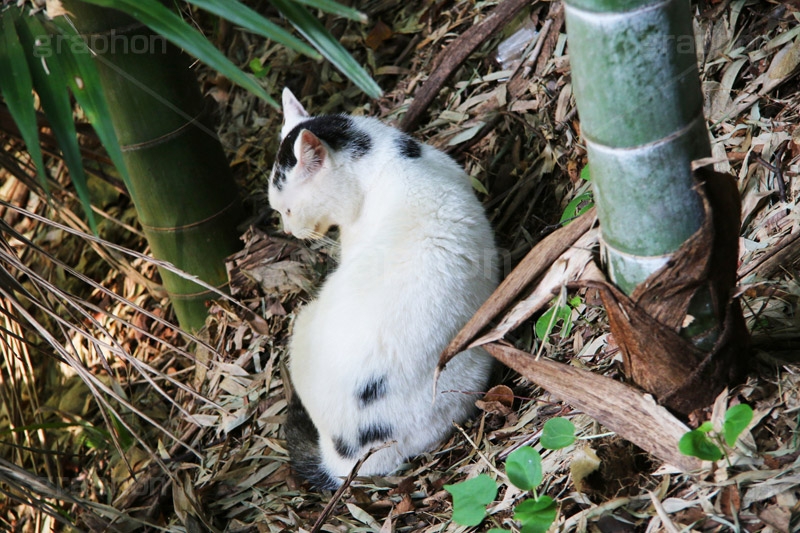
(514, 127)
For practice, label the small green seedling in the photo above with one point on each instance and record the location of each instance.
(524, 471)
(557, 433)
(536, 515)
(524, 468)
(555, 315)
(258, 70)
(707, 444)
(582, 202)
(470, 499)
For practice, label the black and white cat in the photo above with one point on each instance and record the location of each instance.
(417, 260)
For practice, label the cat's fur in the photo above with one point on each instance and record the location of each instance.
(417, 260)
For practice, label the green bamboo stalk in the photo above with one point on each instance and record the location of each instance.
(635, 78)
(182, 187)
(637, 87)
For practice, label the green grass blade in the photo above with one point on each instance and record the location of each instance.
(248, 19)
(84, 81)
(16, 87)
(328, 46)
(51, 86)
(174, 29)
(335, 8)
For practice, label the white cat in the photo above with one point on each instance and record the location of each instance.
(417, 260)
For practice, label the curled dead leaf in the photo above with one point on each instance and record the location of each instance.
(500, 393)
(583, 462)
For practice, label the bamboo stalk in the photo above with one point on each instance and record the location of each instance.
(637, 87)
(185, 196)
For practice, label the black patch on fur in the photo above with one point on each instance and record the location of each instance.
(374, 390)
(278, 177)
(302, 440)
(344, 449)
(408, 147)
(374, 433)
(338, 132)
(360, 144)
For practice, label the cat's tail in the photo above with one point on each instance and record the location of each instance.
(302, 439)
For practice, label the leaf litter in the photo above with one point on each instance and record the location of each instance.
(516, 131)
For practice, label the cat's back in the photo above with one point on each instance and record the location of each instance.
(418, 184)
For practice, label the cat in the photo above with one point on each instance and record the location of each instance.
(417, 260)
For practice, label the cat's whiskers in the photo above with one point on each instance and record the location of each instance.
(324, 239)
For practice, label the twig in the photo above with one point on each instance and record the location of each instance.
(458, 150)
(455, 54)
(785, 248)
(777, 160)
(480, 453)
(340, 491)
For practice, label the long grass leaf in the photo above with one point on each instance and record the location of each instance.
(51, 86)
(335, 8)
(163, 21)
(328, 46)
(157, 262)
(84, 81)
(16, 87)
(248, 19)
(93, 382)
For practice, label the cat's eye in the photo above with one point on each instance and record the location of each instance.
(288, 212)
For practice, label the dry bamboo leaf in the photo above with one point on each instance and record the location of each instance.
(564, 270)
(632, 415)
(668, 525)
(777, 517)
(534, 264)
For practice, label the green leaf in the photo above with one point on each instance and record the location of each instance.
(84, 82)
(737, 418)
(572, 211)
(545, 324)
(327, 45)
(470, 499)
(477, 185)
(335, 8)
(51, 86)
(258, 71)
(16, 87)
(497, 530)
(586, 174)
(248, 19)
(96, 438)
(536, 516)
(696, 444)
(524, 468)
(557, 433)
(161, 20)
(126, 439)
(706, 427)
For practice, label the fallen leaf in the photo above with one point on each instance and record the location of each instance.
(378, 34)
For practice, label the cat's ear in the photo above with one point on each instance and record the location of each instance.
(311, 153)
(293, 112)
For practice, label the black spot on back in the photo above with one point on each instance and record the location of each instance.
(374, 390)
(374, 433)
(408, 147)
(338, 132)
(344, 449)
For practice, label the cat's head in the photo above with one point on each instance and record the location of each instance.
(297, 185)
